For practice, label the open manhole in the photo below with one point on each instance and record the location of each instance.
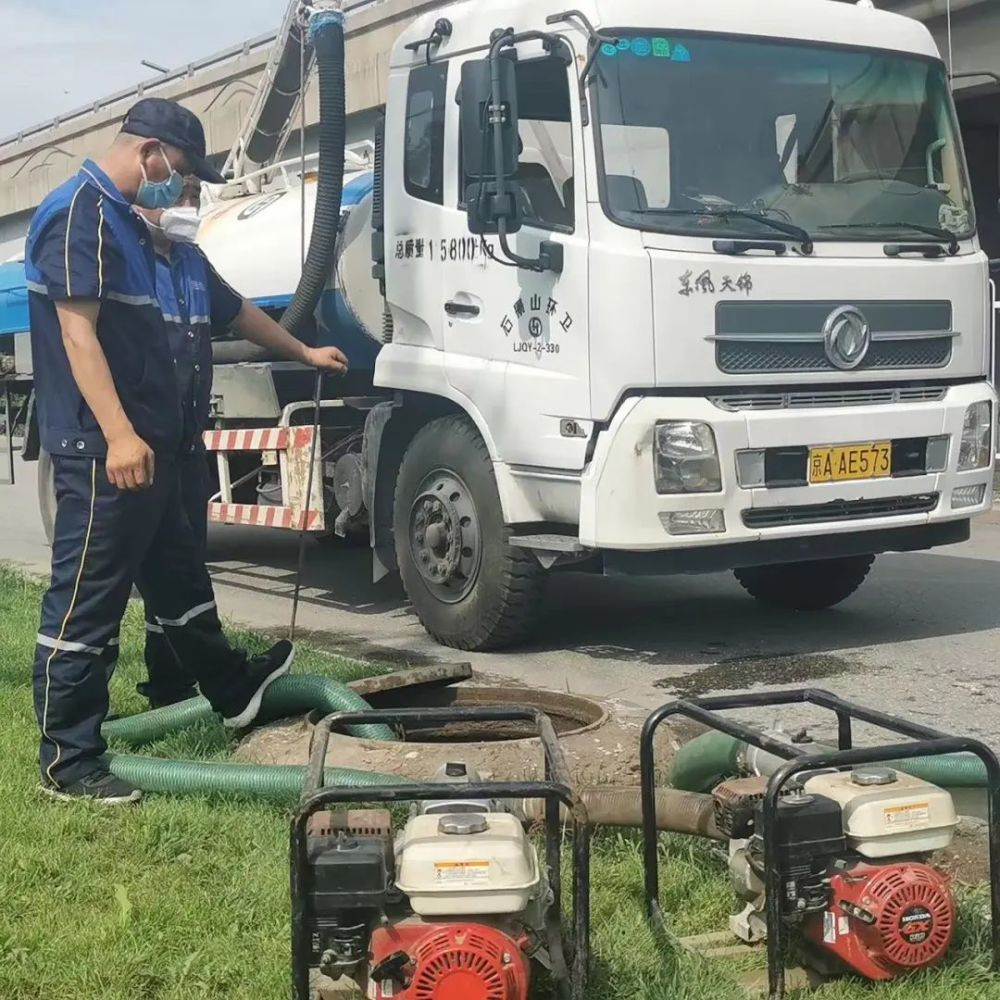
(570, 714)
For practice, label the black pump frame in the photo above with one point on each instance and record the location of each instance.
(923, 742)
(556, 791)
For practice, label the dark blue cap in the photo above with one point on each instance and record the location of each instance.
(168, 121)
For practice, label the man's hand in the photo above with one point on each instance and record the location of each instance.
(256, 326)
(330, 359)
(130, 463)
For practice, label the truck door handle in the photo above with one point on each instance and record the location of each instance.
(461, 309)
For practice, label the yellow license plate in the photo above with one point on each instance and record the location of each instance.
(844, 463)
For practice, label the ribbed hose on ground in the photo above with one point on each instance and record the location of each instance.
(279, 785)
(326, 34)
(287, 696)
(703, 762)
(676, 811)
(295, 694)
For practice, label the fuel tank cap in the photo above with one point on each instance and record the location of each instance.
(869, 777)
(463, 824)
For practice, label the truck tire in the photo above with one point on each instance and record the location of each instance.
(471, 589)
(808, 586)
(47, 495)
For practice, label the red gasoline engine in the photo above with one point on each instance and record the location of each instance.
(883, 922)
(852, 856)
(448, 962)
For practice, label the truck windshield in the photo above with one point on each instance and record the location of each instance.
(847, 144)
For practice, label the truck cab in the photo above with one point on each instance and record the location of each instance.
(728, 312)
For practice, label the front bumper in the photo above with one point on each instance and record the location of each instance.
(621, 510)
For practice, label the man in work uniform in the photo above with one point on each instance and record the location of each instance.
(109, 416)
(194, 300)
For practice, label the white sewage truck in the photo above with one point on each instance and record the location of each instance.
(644, 287)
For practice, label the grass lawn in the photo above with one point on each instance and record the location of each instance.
(184, 898)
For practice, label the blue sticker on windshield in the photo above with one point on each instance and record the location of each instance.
(681, 53)
(641, 47)
(661, 48)
(624, 44)
(608, 49)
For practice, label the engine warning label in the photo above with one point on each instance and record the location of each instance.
(835, 925)
(906, 817)
(450, 872)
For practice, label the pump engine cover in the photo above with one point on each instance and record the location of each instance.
(449, 962)
(887, 921)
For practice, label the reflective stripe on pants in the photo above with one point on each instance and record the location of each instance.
(106, 539)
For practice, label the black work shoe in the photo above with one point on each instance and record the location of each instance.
(101, 787)
(261, 672)
(164, 699)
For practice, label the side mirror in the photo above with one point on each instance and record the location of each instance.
(486, 207)
(491, 145)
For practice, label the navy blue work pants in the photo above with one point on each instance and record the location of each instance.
(105, 541)
(170, 679)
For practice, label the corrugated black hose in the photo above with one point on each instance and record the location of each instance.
(326, 34)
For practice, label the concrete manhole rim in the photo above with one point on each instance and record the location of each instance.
(555, 702)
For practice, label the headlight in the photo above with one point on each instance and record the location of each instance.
(977, 438)
(686, 458)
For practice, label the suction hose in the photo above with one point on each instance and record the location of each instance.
(676, 811)
(280, 786)
(287, 696)
(326, 35)
(703, 762)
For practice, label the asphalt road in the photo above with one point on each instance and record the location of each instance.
(921, 638)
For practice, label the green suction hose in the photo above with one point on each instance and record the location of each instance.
(280, 786)
(287, 696)
(703, 762)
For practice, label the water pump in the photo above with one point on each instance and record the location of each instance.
(452, 903)
(830, 846)
(852, 854)
(451, 908)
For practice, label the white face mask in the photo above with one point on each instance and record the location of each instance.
(180, 225)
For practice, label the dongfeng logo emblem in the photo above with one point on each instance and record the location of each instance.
(847, 337)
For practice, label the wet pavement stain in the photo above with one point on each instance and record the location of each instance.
(766, 669)
(355, 648)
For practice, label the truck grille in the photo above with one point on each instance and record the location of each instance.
(768, 358)
(840, 510)
(756, 338)
(738, 402)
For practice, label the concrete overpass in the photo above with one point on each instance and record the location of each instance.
(220, 89)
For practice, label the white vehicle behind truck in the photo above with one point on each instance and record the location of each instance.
(658, 288)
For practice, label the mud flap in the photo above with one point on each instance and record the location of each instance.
(379, 491)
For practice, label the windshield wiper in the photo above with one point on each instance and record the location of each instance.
(789, 229)
(942, 235)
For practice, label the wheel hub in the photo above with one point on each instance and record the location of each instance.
(445, 536)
